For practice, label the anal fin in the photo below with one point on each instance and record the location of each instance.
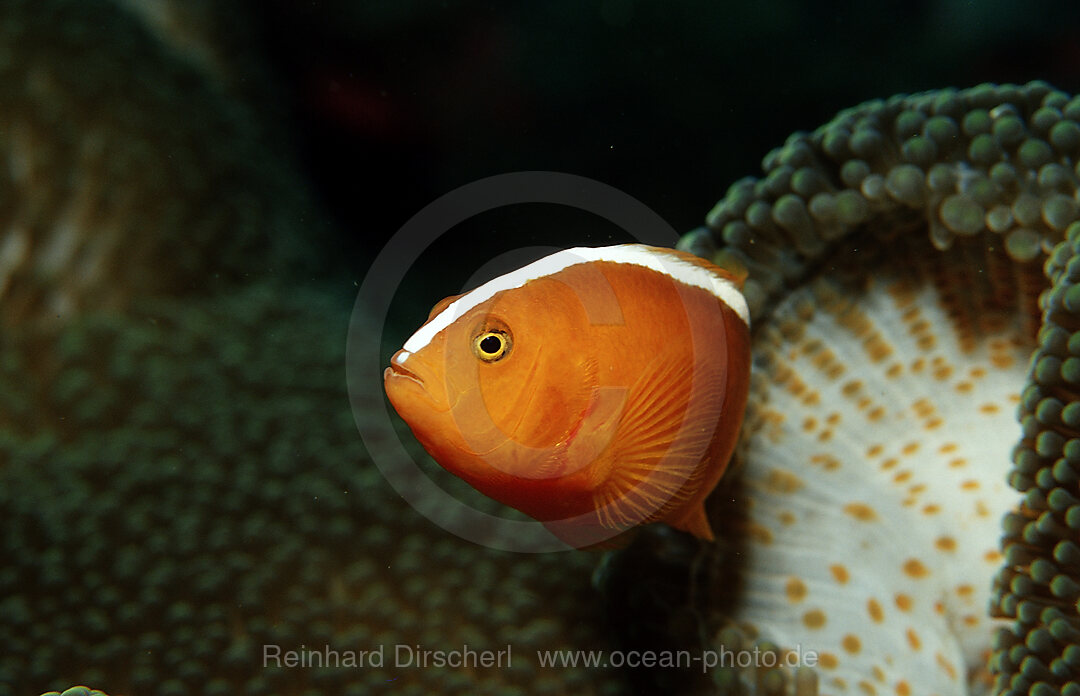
(695, 521)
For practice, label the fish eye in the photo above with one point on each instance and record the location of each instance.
(490, 346)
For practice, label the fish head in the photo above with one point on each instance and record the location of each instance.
(495, 391)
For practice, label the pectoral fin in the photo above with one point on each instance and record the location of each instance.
(657, 462)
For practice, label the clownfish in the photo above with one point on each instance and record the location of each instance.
(595, 390)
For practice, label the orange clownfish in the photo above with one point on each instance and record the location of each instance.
(594, 390)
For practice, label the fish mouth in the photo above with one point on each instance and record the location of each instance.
(396, 370)
(409, 383)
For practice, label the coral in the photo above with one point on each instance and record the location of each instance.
(880, 418)
(125, 170)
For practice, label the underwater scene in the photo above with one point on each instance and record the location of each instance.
(595, 348)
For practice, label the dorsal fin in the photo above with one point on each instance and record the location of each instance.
(441, 305)
(723, 264)
(727, 261)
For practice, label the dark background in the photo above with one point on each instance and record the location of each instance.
(397, 103)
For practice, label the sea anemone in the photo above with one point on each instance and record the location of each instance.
(192, 489)
(906, 259)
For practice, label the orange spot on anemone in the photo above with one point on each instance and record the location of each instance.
(914, 568)
(780, 481)
(795, 589)
(861, 512)
(814, 619)
(945, 665)
(851, 643)
(945, 543)
(874, 609)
